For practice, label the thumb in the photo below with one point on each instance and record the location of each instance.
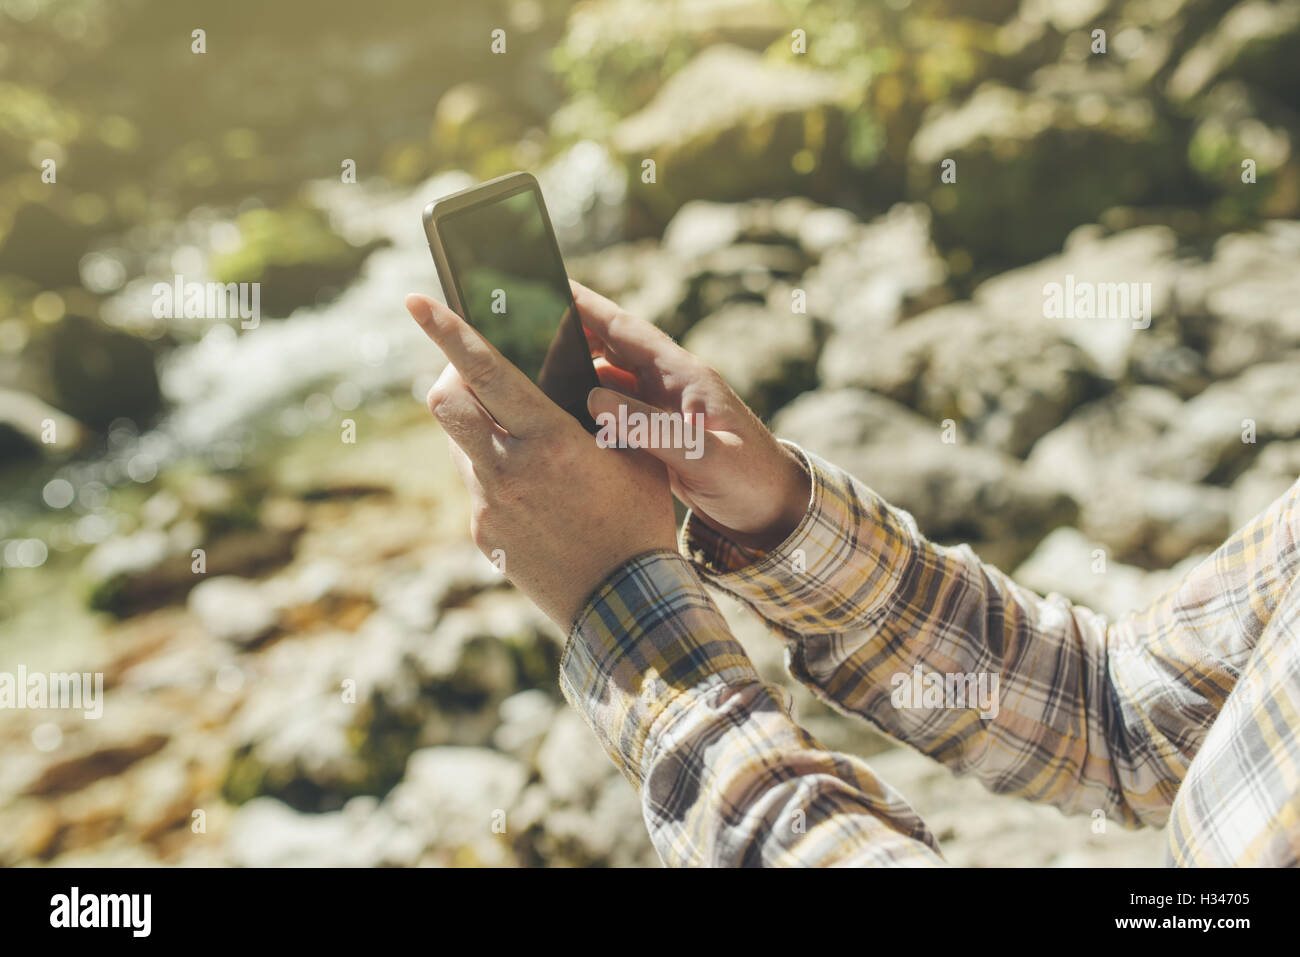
(676, 440)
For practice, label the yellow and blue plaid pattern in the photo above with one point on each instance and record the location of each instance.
(1186, 712)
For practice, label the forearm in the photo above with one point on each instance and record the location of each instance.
(725, 775)
(1033, 695)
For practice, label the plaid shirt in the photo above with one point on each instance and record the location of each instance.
(1186, 712)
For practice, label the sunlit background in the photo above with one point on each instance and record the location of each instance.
(342, 679)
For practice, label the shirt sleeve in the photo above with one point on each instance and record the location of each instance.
(725, 776)
(1033, 695)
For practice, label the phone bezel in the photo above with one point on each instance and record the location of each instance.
(482, 194)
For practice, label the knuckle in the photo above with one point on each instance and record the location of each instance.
(714, 385)
(447, 388)
(508, 491)
(482, 371)
(711, 375)
(436, 397)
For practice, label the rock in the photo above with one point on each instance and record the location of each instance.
(110, 856)
(727, 253)
(957, 362)
(471, 662)
(615, 54)
(458, 800)
(163, 798)
(1065, 15)
(746, 272)
(1254, 41)
(1250, 290)
(327, 718)
(150, 568)
(820, 229)
(1156, 522)
(335, 715)
(1105, 455)
(233, 609)
(571, 762)
(309, 584)
(192, 668)
(99, 374)
(956, 492)
(1180, 520)
(1271, 476)
(30, 830)
(759, 251)
(645, 280)
(725, 126)
(864, 284)
(585, 187)
(612, 833)
(26, 422)
(702, 227)
(605, 34)
(766, 357)
(1009, 144)
(1102, 264)
(128, 554)
(1113, 434)
(977, 828)
(1221, 430)
(266, 833)
(473, 121)
(1236, 123)
(451, 574)
(88, 371)
(296, 255)
(103, 759)
(1067, 562)
(525, 719)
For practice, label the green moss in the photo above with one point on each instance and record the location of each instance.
(294, 253)
(272, 238)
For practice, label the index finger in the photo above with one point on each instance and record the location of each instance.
(509, 395)
(630, 342)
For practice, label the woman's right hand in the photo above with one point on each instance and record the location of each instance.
(741, 481)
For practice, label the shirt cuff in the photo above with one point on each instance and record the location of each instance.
(649, 643)
(839, 568)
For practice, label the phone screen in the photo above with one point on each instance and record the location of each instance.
(513, 289)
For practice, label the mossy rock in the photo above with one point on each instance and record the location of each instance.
(731, 125)
(295, 255)
(1076, 155)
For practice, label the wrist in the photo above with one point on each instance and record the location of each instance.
(793, 493)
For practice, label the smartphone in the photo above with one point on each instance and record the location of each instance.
(501, 271)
